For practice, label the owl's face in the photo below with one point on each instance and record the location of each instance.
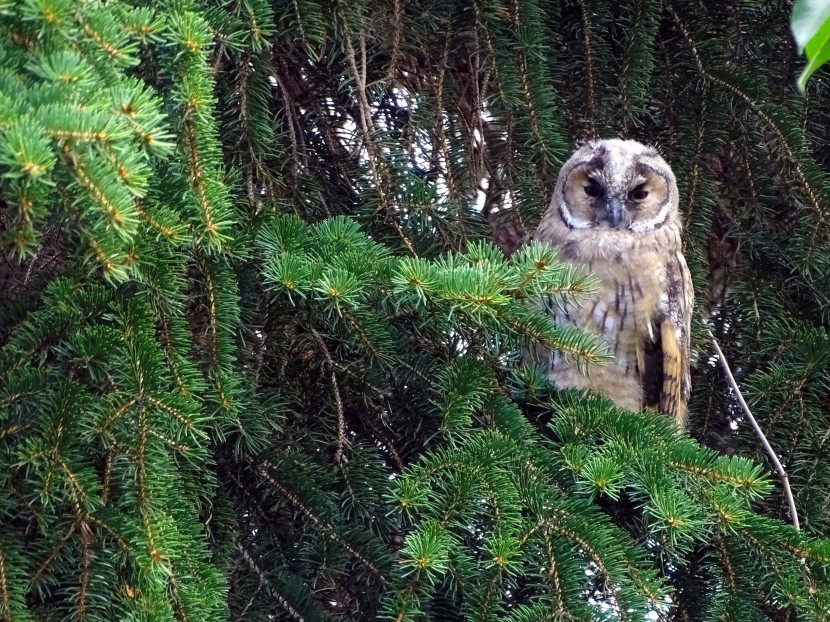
(619, 185)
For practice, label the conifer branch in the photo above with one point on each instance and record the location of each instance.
(263, 580)
(553, 572)
(153, 355)
(197, 173)
(592, 552)
(53, 553)
(84, 576)
(768, 120)
(521, 60)
(327, 528)
(214, 337)
(440, 132)
(178, 605)
(770, 556)
(375, 159)
(590, 71)
(373, 349)
(726, 560)
(395, 43)
(342, 441)
(143, 489)
(106, 476)
(168, 232)
(294, 127)
(694, 182)
(5, 596)
(779, 468)
(12, 429)
(169, 351)
(112, 532)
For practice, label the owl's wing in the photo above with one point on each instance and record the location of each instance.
(673, 336)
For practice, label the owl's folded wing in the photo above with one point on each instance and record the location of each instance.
(674, 339)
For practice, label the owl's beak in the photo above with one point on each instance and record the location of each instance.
(614, 211)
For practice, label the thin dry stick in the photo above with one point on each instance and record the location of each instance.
(779, 468)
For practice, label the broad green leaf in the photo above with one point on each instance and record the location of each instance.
(807, 19)
(818, 53)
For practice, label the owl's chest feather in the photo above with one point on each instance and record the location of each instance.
(627, 301)
(622, 311)
(632, 283)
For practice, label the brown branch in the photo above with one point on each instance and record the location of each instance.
(812, 194)
(779, 468)
(324, 526)
(263, 580)
(342, 441)
(375, 158)
(589, 70)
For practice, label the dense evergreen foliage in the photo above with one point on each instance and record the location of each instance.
(260, 358)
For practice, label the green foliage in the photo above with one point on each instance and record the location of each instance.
(811, 29)
(260, 357)
(75, 122)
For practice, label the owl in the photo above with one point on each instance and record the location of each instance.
(614, 213)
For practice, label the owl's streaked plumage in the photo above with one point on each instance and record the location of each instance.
(614, 213)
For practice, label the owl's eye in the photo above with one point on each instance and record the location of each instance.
(639, 193)
(594, 188)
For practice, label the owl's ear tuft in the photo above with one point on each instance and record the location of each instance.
(597, 163)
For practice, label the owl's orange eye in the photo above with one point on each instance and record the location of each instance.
(594, 188)
(639, 193)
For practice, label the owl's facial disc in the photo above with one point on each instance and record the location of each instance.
(650, 197)
(600, 193)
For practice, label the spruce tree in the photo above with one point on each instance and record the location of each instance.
(263, 306)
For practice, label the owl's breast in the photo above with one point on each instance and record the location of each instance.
(622, 313)
(625, 304)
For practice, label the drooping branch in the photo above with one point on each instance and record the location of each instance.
(779, 468)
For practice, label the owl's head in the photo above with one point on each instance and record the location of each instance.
(616, 184)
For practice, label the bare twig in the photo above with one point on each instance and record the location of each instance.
(779, 468)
